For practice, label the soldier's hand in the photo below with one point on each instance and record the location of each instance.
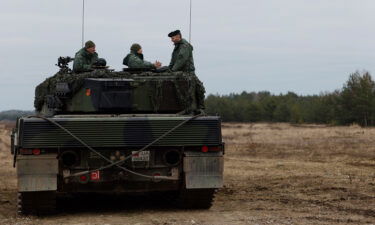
(157, 64)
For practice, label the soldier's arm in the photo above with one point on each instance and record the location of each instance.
(147, 64)
(182, 58)
(94, 59)
(79, 66)
(136, 62)
(171, 63)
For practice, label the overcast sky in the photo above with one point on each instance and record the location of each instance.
(303, 46)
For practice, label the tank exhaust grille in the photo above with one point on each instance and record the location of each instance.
(119, 132)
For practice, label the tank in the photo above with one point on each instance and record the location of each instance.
(103, 91)
(130, 131)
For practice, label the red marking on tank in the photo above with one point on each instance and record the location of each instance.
(95, 175)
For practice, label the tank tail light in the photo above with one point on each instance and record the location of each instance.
(36, 151)
(83, 179)
(88, 92)
(214, 148)
(211, 148)
(26, 151)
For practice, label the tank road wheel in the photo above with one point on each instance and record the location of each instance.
(196, 198)
(38, 202)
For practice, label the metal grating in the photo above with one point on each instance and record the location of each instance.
(119, 132)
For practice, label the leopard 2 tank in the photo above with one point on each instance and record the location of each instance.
(129, 131)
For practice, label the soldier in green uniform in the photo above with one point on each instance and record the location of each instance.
(85, 58)
(182, 56)
(135, 59)
(182, 60)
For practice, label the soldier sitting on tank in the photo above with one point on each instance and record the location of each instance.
(135, 59)
(85, 58)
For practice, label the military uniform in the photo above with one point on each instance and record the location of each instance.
(83, 59)
(135, 60)
(182, 57)
(182, 60)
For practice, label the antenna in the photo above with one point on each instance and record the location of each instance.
(191, 4)
(83, 22)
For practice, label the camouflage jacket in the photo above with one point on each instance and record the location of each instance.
(182, 57)
(135, 60)
(83, 61)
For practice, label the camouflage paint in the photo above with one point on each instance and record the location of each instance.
(148, 92)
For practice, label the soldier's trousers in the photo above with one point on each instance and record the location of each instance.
(199, 92)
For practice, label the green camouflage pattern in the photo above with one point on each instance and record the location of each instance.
(182, 57)
(147, 92)
(135, 60)
(83, 61)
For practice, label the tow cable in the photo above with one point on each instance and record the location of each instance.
(111, 163)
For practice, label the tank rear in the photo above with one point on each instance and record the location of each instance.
(114, 132)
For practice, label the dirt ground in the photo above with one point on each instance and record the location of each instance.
(274, 174)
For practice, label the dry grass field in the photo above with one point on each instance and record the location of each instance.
(274, 174)
(306, 174)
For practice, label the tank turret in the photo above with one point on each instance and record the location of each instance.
(103, 91)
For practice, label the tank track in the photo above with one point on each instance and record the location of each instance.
(195, 198)
(38, 203)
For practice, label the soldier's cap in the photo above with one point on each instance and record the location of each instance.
(89, 44)
(174, 33)
(135, 47)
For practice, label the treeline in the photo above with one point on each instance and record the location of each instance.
(14, 114)
(354, 103)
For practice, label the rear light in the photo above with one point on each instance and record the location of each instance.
(211, 148)
(156, 175)
(88, 92)
(36, 151)
(26, 151)
(204, 149)
(214, 148)
(83, 178)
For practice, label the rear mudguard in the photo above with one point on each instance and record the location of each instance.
(203, 170)
(37, 172)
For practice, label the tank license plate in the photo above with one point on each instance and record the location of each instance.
(143, 156)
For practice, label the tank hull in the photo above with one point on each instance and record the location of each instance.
(82, 157)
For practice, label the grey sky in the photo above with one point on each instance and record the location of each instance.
(303, 46)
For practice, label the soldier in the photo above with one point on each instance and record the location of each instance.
(135, 59)
(182, 56)
(182, 60)
(85, 58)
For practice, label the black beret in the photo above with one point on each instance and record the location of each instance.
(174, 33)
